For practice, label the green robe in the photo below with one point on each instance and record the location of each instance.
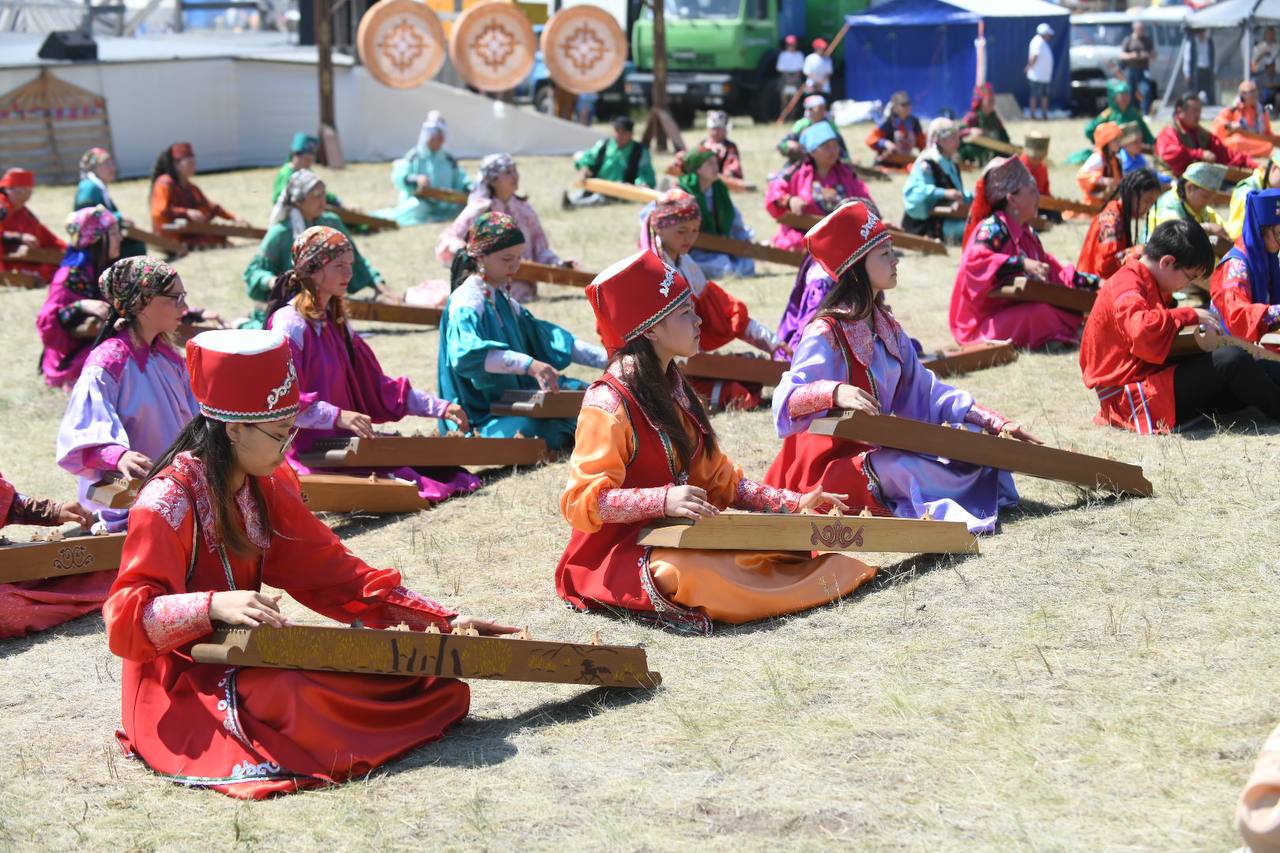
(275, 256)
(1126, 116)
(442, 170)
(614, 165)
(992, 128)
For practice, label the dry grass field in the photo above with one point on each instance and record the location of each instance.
(1100, 677)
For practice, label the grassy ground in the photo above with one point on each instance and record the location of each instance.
(1093, 679)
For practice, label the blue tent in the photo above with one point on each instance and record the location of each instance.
(926, 47)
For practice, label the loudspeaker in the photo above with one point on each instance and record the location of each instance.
(69, 44)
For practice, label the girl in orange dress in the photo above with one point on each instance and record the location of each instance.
(220, 517)
(174, 196)
(1102, 172)
(645, 450)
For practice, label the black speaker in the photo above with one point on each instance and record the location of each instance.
(69, 44)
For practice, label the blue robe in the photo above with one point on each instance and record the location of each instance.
(444, 173)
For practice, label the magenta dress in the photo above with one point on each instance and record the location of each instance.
(64, 356)
(993, 256)
(334, 377)
(801, 179)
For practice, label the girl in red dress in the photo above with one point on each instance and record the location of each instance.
(220, 517)
(1120, 225)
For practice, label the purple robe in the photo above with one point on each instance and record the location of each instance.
(334, 379)
(811, 287)
(909, 483)
(130, 396)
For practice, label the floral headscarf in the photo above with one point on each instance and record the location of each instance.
(131, 283)
(316, 247)
(492, 167)
(493, 232)
(88, 224)
(300, 185)
(673, 207)
(91, 160)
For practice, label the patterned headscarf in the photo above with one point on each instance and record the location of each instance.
(131, 283)
(316, 247)
(300, 185)
(673, 207)
(493, 232)
(92, 159)
(494, 166)
(980, 93)
(88, 224)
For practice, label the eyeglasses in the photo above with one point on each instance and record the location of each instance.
(180, 298)
(284, 442)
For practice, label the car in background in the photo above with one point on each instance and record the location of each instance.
(1095, 51)
(537, 89)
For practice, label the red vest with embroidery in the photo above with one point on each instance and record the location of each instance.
(806, 460)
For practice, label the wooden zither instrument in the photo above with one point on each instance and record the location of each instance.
(322, 492)
(760, 531)
(35, 255)
(428, 653)
(23, 280)
(389, 312)
(355, 217)
(58, 556)
(901, 239)
(1006, 454)
(970, 357)
(1193, 341)
(551, 274)
(216, 229)
(735, 367)
(438, 194)
(539, 404)
(425, 451)
(1023, 289)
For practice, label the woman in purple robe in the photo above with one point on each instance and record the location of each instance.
(133, 397)
(344, 391)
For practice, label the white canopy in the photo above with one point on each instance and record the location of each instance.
(1235, 13)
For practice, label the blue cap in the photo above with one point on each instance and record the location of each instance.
(304, 144)
(816, 134)
(1262, 207)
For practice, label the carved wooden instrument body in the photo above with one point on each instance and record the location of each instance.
(322, 492)
(35, 255)
(1198, 339)
(452, 196)
(756, 531)
(428, 653)
(735, 368)
(158, 241)
(71, 555)
(1067, 298)
(987, 142)
(977, 448)
(24, 280)
(217, 229)
(550, 274)
(388, 312)
(747, 249)
(427, 451)
(971, 357)
(1066, 205)
(901, 239)
(539, 404)
(355, 217)
(618, 190)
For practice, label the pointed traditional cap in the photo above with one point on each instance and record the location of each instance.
(844, 237)
(243, 375)
(633, 295)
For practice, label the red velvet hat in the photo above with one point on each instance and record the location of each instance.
(243, 375)
(845, 236)
(633, 295)
(18, 178)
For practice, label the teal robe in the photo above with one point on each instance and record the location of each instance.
(442, 170)
(89, 194)
(472, 327)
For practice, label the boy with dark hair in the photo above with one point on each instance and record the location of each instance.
(1126, 342)
(620, 158)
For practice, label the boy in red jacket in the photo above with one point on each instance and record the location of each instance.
(1126, 341)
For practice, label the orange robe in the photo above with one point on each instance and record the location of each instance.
(1251, 117)
(619, 475)
(171, 201)
(254, 732)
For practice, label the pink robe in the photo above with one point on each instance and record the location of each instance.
(64, 355)
(536, 246)
(800, 180)
(992, 257)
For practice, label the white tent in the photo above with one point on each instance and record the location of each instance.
(1235, 13)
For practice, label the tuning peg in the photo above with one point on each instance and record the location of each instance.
(433, 629)
(595, 639)
(866, 512)
(522, 634)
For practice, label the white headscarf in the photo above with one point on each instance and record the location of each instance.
(939, 127)
(434, 124)
(301, 183)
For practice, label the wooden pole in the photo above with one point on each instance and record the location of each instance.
(658, 100)
(831, 49)
(324, 53)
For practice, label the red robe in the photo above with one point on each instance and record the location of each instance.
(254, 732)
(1179, 148)
(1105, 243)
(23, 221)
(29, 606)
(1232, 297)
(1038, 171)
(724, 319)
(1124, 349)
(171, 201)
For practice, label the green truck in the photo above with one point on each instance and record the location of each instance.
(721, 54)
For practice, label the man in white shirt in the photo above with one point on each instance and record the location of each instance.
(1040, 69)
(790, 68)
(818, 70)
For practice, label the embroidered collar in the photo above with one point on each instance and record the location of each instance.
(192, 471)
(140, 351)
(862, 340)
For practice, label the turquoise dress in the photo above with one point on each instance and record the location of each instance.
(444, 173)
(482, 326)
(88, 194)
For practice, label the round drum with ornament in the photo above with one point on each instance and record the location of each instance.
(584, 49)
(492, 46)
(401, 43)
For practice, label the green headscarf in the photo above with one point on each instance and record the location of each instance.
(718, 217)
